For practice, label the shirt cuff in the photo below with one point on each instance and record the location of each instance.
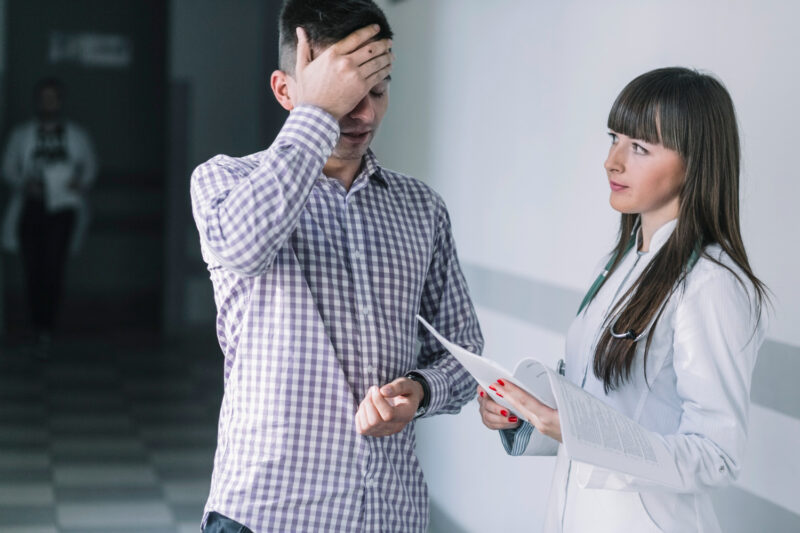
(311, 127)
(516, 440)
(438, 387)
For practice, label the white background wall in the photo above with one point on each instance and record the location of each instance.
(502, 107)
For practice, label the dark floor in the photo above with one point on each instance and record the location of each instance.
(112, 433)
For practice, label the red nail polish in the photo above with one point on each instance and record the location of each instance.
(492, 388)
(500, 381)
(504, 412)
(481, 394)
(512, 419)
(499, 394)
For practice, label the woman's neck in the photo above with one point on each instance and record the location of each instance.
(651, 223)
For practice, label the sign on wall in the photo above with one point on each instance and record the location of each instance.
(91, 50)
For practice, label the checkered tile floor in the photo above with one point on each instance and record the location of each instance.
(112, 435)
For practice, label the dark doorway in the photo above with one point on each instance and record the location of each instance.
(111, 57)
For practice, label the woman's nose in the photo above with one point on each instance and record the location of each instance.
(614, 161)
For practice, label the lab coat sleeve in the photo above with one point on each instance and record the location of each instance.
(13, 160)
(86, 160)
(715, 345)
(244, 216)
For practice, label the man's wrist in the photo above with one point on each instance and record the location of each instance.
(426, 393)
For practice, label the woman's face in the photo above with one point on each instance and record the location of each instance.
(645, 178)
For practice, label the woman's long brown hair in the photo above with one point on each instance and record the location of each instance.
(693, 114)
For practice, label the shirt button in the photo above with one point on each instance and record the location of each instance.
(357, 255)
(370, 483)
(371, 369)
(366, 311)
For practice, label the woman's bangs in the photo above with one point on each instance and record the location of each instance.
(635, 113)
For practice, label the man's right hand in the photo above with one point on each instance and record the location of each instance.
(341, 76)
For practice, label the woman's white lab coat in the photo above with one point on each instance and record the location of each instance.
(696, 396)
(17, 168)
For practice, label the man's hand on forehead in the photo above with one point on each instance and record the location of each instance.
(341, 75)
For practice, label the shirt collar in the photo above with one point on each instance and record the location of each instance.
(660, 236)
(372, 168)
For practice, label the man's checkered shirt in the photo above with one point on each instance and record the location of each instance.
(316, 290)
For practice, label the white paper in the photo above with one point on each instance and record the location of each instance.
(530, 375)
(595, 433)
(592, 431)
(57, 181)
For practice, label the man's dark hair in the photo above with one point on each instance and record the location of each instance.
(325, 22)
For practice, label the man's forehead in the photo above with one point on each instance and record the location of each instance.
(318, 48)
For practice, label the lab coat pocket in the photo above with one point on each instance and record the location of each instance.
(671, 513)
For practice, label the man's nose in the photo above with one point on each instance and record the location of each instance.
(364, 111)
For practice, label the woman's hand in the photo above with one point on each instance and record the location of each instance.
(494, 415)
(543, 418)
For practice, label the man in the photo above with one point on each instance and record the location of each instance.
(49, 163)
(320, 260)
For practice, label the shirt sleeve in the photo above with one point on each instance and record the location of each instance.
(244, 214)
(525, 440)
(445, 304)
(717, 334)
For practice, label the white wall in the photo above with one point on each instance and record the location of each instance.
(502, 107)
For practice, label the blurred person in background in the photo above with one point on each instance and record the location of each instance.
(49, 164)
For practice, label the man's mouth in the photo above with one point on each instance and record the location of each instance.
(356, 136)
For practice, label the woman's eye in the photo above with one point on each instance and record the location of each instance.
(613, 137)
(639, 149)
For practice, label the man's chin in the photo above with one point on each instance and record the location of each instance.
(351, 153)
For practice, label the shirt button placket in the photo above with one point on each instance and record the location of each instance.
(355, 244)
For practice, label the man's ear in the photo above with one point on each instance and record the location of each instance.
(280, 83)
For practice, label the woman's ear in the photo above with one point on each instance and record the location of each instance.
(280, 82)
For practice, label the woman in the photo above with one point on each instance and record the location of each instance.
(669, 334)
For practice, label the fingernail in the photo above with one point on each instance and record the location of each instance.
(481, 394)
(491, 387)
(513, 419)
(504, 412)
(500, 381)
(499, 394)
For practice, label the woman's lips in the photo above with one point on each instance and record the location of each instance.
(616, 186)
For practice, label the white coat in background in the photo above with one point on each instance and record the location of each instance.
(18, 166)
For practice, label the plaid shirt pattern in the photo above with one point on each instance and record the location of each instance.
(316, 290)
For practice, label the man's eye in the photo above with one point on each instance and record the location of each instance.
(377, 94)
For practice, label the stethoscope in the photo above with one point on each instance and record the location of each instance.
(601, 279)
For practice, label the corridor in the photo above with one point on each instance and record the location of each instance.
(113, 434)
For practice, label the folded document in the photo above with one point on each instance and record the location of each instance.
(592, 431)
